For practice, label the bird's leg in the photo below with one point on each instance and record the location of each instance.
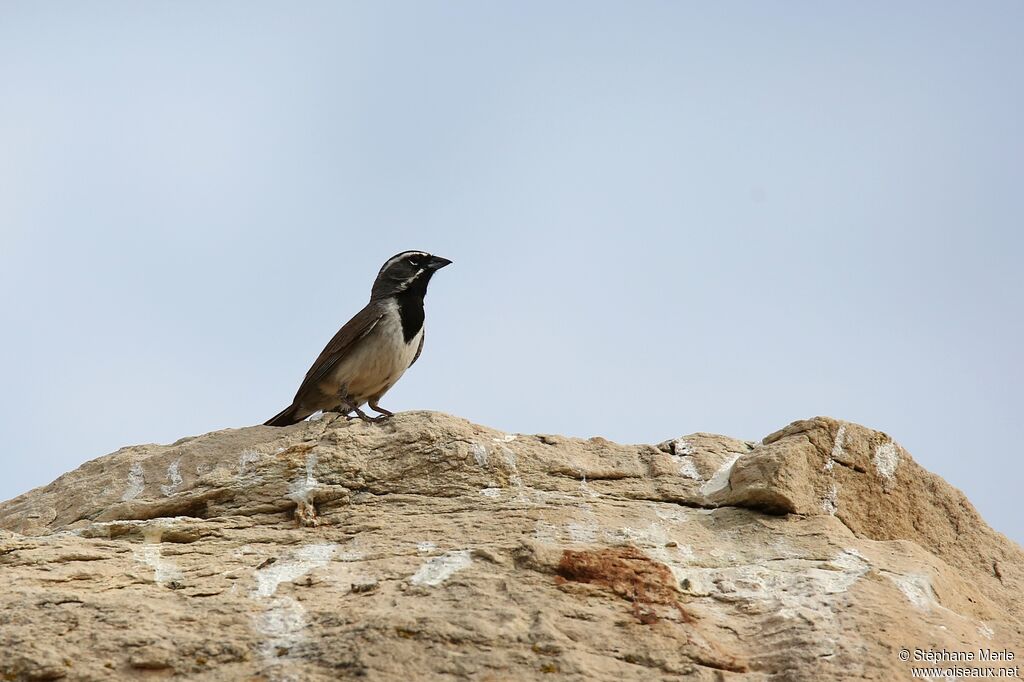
(338, 409)
(349, 406)
(377, 408)
(345, 405)
(367, 418)
(361, 415)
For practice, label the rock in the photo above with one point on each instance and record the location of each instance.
(428, 547)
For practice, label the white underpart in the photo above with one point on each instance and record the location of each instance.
(887, 459)
(136, 482)
(440, 568)
(283, 622)
(720, 481)
(370, 369)
(174, 479)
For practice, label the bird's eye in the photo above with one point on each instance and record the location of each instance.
(414, 260)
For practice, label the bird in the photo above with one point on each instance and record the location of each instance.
(371, 351)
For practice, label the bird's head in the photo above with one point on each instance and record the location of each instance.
(408, 271)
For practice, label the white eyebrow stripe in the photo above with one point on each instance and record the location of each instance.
(404, 254)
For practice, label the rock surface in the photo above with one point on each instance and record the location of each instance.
(432, 548)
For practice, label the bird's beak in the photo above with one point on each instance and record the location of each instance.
(436, 262)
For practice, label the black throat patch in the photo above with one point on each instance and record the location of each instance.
(410, 310)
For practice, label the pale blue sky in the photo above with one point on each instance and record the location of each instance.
(665, 217)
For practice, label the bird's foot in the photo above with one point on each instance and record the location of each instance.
(359, 414)
(384, 413)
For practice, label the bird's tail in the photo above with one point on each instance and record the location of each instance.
(292, 414)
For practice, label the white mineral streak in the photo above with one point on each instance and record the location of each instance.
(283, 621)
(682, 449)
(837, 448)
(247, 461)
(479, 454)
(438, 569)
(300, 490)
(887, 459)
(174, 479)
(720, 481)
(830, 503)
(136, 482)
(164, 570)
(298, 564)
(916, 587)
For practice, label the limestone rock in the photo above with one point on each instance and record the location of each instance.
(431, 548)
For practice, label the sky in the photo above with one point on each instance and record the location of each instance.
(665, 217)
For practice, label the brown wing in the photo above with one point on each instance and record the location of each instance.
(339, 346)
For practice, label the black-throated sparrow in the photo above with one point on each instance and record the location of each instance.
(369, 354)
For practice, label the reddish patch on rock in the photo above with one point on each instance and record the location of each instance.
(627, 572)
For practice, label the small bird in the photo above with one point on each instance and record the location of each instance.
(372, 351)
